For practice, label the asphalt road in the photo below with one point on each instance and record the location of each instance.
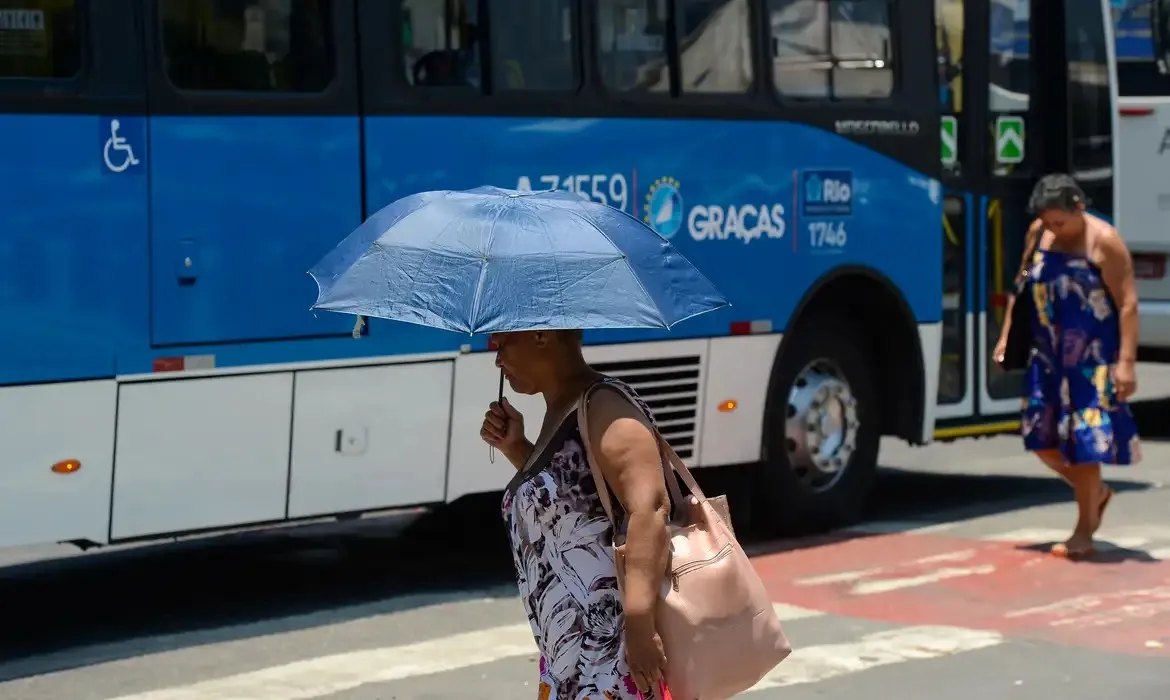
(947, 589)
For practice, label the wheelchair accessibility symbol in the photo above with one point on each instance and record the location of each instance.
(117, 151)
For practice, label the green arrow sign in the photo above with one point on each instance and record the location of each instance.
(950, 139)
(1009, 139)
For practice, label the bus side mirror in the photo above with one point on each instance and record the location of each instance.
(1160, 33)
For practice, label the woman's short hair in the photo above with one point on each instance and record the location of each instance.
(1056, 191)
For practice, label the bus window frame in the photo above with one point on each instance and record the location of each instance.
(109, 80)
(897, 91)
(389, 91)
(74, 84)
(750, 103)
(386, 92)
(339, 98)
(488, 60)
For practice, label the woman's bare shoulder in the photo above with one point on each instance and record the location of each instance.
(1104, 239)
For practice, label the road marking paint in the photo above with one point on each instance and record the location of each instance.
(842, 577)
(788, 613)
(824, 662)
(326, 675)
(1162, 554)
(1030, 535)
(894, 584)
(1085, 611)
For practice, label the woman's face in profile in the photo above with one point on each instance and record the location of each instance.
(1064, 224)
(523, 357)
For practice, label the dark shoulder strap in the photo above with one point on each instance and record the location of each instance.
(1031, 245)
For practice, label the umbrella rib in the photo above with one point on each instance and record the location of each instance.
(641, 286)
(473, 322)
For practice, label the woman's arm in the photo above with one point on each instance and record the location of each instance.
(1117, 272)
(626, 449)
(1035, 230)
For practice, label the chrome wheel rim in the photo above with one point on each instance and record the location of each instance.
(822, 425)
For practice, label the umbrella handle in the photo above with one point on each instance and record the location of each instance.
(492, 448)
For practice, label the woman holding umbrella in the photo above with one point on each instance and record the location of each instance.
(526, 268)
(595, 642)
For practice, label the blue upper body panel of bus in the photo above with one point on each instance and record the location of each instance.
(199, 244)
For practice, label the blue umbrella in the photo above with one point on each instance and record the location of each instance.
(491, 260)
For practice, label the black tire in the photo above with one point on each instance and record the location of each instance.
(783, 504)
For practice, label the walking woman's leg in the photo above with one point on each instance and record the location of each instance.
(1054, 460)
(1091, 495)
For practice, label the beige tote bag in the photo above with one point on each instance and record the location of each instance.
(715, 618)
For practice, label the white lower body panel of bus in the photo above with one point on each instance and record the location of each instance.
(206, 451)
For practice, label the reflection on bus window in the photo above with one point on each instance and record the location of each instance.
(1011, 39)
(715, 46)
(631, 39)
(532, 45)
(949, 39)
(831, 49)
(39, 39)
(248, 45)
(1138, 73)
(441, 43)
(1088, 98)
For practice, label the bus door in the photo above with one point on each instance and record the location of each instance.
(1028, 95)
(255, 147)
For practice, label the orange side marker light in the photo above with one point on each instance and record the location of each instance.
(67, 466)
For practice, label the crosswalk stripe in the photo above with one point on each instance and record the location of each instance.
(814, 664)
(324, 676)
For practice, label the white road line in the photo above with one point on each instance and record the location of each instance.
(326, 675)
(843, 577)
(1030, 535)
(894, 584)
(821, 663)
(788, 613)
(1162, 554)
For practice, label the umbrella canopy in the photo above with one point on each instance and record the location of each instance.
(491, 260)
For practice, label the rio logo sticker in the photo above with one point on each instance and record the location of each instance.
(664, 207)
(828, 193)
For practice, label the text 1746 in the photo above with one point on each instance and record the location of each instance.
(827, 234)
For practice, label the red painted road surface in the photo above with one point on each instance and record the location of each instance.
(1119, 601)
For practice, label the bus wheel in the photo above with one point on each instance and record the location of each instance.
(821, 431)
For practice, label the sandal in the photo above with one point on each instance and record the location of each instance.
(1062, 551)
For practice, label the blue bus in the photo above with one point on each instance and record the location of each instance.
(1143, 33)
(176, 165)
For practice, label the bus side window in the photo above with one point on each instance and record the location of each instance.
(40, 39)
(248, 45)
(832, 49)
(441, 43)
(631, 43)
(715, 46)
(533, 46)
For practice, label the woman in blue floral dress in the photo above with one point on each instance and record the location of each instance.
(1084, 346)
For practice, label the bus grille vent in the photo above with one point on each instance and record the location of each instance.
(670, 386)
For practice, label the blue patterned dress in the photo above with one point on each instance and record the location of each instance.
(1070, 404)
